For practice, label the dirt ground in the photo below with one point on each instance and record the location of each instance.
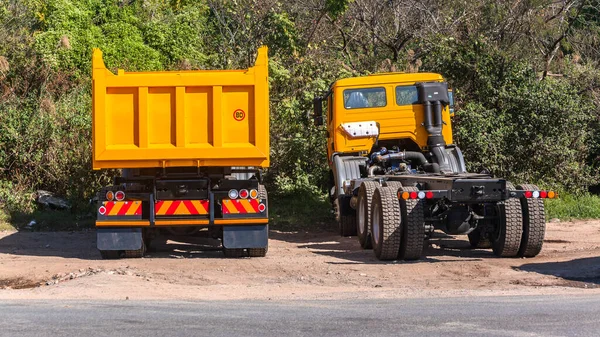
(66, 265)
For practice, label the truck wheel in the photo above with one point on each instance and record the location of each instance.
(363, 213)
(413, 226)
(394, 184)
(258, 252)
(138, 253)
(477, 241)
(534, 224)
(347, 225)
(509, 227)
(386, 226)
(110, 254)
(234, 252)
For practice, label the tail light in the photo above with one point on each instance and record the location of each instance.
(233, 194)
(120, 195)
(540, 194)
(244, 194)
(412, 195)
(429, 195)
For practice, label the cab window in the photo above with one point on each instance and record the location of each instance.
(364, 98)
(406, 95)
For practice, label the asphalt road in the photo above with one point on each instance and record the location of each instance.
(474, 316)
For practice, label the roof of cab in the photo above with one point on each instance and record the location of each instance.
(385, 78)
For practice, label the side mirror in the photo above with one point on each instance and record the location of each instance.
(451, 101)
(318, 110)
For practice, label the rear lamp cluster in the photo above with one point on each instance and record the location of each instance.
(540, 194)
(415, 195)
(118, 195)
(429, 195)
(243, 194)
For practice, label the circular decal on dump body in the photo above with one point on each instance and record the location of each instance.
(239, 115)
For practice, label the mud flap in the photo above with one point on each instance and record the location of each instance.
(119, 238)
(245, 236)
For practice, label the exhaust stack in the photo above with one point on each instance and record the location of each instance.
(434, 97)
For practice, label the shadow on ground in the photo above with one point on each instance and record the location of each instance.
(441, 248)
(580, 270)
(82, 245)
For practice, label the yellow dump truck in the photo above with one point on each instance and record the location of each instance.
(191, 146)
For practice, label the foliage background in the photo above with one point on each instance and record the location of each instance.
(525, 72)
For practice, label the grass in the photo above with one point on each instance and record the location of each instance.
(45, 220)
(300, 211)
(5, 224)
(569, 207)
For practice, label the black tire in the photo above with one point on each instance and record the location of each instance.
(509, 227)
(363, 213)
(110, 254)
(477, 241)
(393, 184)
(385, 219)
(135, 254)
(413, 226)
(534, 224)
(258, 252)
(234, 252)
(347, 225)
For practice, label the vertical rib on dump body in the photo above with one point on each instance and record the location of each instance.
(180, 118)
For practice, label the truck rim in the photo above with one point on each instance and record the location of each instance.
(361, 216)
(375, 223)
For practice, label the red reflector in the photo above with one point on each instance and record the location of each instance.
(543, 194)
(120, 195)
(528, 194)
(102, 210)
(428, 194)
(262, 208)
(414, 195)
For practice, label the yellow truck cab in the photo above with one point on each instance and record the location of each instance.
(397, 176)
(191, 146)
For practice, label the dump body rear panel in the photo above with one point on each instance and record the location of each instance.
(181, 118)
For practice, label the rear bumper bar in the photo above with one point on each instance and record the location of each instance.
(180, 222)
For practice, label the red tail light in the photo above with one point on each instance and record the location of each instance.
(120, 195)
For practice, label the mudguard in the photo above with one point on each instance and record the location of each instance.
(119, 238)
(245, 236)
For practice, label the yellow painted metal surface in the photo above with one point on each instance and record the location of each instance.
(145, 223)
(395, 122)
(180, 118)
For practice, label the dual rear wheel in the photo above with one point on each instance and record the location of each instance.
(397, 227)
